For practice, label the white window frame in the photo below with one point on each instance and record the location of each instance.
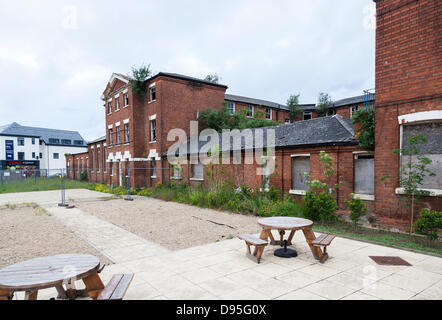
(271, 113)
(151, 89)
(117, 103)
(353, 109)
(126, 99)
(362, 196)
(294, 191)
(307, 113)
(154, 169)
(126, 133)
(153, 129)
(109, 107)
(233, 109)
(253, 111)
(118, 134)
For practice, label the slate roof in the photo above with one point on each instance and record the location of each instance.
(323, 131)
(352, 100)
(265, 103)
(15, 129)
(183, 77)
(103, 138)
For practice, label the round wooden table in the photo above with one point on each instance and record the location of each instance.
(53, 271)
(282, 224)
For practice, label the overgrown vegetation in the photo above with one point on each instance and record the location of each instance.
(214, 78)
(293, 105)
(324, 104)
(357, 209)
(429, 222)
(138, 78)
(365, 134)
(319, 202)
(413, 172)
(222, 119)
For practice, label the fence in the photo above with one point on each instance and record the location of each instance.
(29, 175)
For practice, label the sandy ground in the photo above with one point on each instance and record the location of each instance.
(170, 224)
(27, 233)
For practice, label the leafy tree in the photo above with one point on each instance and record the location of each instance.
(214, 78)
(324, 103)
(138, 78)
(412, 173)
(293, 105)
(366, 133)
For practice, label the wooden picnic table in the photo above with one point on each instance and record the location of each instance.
(54, 271)
(282, 224)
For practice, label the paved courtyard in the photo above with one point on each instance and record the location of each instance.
(220, 270)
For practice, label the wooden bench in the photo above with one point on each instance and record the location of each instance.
(254, 241)
(117, 287)
(323, 240)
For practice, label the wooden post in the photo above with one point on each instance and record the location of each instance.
(31, 295)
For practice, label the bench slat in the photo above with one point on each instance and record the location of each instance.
(122, 287)
(323, 240)
(109, 289)
(253, 240)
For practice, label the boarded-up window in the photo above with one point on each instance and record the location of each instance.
(432, 149)
(197, 171)
(364, 174)
(300, 173)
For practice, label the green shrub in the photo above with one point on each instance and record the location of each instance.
(357, 208)
(319, 206)
(429, 223)
(83, 176)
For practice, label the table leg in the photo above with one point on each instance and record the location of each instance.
(6, 295)
(94, 285)
(310, 236)
(61, 292)
(31, 295)
(289, 240)
(281, 237)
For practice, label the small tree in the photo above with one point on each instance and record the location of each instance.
(293, 105)
(138, 78)
(412, 173)
(357, 208)
(366, 133)
(324, 103)
(214, 78)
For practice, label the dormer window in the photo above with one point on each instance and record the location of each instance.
(54, 141)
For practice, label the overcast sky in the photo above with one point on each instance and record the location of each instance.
(57, 56)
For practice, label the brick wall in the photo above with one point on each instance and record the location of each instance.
(408, 80)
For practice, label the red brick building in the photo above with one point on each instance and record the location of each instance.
(408, 96)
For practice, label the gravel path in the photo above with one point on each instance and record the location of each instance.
(170, 224)
(27, 233)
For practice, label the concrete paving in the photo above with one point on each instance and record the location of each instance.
(221, 270)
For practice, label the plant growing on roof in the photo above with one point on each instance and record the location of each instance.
(366, 132)
(138, 78)
(293, 105)
(324, 103)
(214, 78)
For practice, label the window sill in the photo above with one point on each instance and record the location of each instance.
(117, 110)
(125, 106)
(152, 142)
(109, 114)
(364, 196)
(153, 177)
(151, 101)
(177, 178)
(127, 143)
(433, 192)
(196, 179)
(298, 192)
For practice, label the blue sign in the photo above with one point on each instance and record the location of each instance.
(9, 144)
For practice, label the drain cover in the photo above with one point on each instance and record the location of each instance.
(390, 261)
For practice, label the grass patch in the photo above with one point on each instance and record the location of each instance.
(385, 237)
(40, 184)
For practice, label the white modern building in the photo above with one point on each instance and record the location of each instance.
(37, 148)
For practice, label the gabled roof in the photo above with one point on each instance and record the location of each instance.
(323, 131)
(14, 129)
